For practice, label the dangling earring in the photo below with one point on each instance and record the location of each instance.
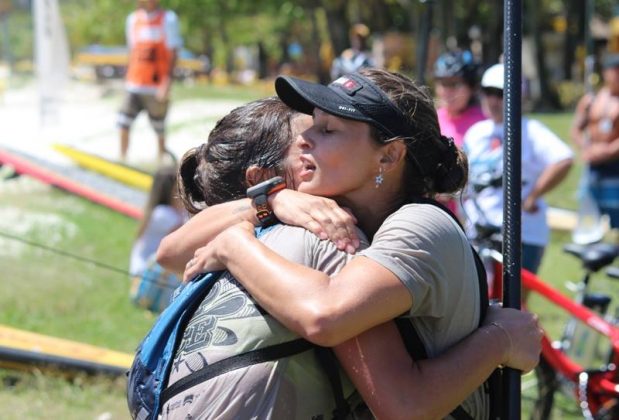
(378, 179)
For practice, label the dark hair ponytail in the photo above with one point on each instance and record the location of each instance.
(189, 186)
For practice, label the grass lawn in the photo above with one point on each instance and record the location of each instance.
(49, 293)
(203, 90)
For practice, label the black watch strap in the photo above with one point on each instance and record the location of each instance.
(259, 194)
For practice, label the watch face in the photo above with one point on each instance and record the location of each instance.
(259, 194)
(267, 187)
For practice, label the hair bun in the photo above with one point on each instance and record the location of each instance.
(449, 143)
(452, 171)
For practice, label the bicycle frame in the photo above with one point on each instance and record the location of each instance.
(598, 386)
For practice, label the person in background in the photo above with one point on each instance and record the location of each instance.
(456, 78)
(357, 56)
(595, 131)
(153, 39)
(152, 286)
(456, 84)
(546, 160)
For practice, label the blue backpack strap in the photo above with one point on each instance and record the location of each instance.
(153, 357)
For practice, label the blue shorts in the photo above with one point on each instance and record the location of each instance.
(605, 190)
(532, 257)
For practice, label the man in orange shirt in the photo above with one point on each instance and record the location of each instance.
(153, 38)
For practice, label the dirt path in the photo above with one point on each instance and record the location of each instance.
(86, 119)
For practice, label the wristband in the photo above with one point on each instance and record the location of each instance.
(259, 194)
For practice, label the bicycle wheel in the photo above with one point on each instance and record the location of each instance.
(545, 388)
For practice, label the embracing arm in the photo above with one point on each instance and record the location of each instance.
(398, 387)
(319, 215)
(178, 247)
(324, 310)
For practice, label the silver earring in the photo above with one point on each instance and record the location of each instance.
(378, 179)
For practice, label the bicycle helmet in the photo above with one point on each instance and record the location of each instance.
(457, 64)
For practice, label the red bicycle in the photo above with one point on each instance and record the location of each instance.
(576, 364)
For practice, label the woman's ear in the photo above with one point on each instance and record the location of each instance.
(393, 154)
(255, 175)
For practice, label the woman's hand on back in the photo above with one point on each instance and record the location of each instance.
(321, 216)
(522, 334)
(206, 259)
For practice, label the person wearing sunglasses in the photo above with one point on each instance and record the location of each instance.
(546, 160)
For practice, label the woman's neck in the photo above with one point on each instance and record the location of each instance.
(371, 210)
(455, 112)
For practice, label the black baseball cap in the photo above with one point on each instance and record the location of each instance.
(352, 96)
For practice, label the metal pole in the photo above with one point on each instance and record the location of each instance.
(512, 160)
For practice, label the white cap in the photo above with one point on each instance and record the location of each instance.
(493, 77)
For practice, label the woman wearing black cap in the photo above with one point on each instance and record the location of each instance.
(376, 148)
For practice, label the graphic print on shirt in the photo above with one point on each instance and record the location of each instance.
(225, 301)
(486, 157)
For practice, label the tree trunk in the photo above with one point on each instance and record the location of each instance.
(225, 40)
(448, 22)
(493, 41)
(573, 34)
(425, 27)
(262, 61)
(548, 99)
(470, 19)
(321, 72)
(337, 23)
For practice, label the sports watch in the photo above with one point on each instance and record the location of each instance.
(259, 194)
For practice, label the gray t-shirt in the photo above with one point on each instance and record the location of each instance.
(427, 250)
(229, 322)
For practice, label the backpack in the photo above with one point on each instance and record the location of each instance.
(153, 359)
(148, 376)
